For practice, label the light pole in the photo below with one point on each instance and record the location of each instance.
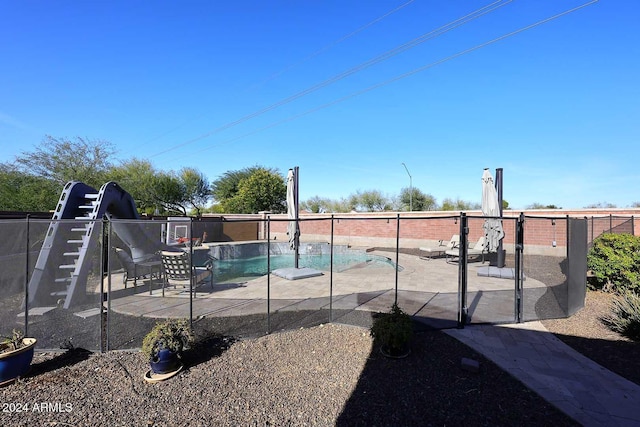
(410, 189)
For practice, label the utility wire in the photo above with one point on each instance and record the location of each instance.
(402, 76)
(332, 44)
(383, 57)
(298, 63)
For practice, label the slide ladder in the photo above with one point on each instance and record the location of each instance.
(65, 260)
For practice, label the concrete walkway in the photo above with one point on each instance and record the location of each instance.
(582, 389)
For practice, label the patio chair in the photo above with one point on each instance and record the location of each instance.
(477, 250)
(441, 248)
(148, 269)
(176, 270)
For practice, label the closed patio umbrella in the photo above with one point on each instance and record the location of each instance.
(491, 208)
(293, 231)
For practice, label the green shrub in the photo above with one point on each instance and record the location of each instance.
(172, 334)
(13, 342)
(625, 316)
(393, 329)
(614, 260)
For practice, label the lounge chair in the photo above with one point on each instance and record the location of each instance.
(147, 269)
(441, 248)
(478, 250)
(176, 270)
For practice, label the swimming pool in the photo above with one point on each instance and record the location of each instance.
(249, 268)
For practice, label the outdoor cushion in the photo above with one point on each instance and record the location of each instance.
(441, 247)
(477, 250)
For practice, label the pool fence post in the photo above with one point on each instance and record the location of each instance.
(331, 273)
(395, 300)
(518, 268)
(104, 323)
(567, 237)
(500, 257)
(610, 223)
(26, 285)
(191, 278)
(109, 286)
(268, 274)
(462, 272)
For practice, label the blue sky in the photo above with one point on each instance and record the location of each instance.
(226, 85)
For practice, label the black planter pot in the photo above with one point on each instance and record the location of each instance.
(395, 353)
(166, 362)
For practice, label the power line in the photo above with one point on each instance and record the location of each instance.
(298, 63)
(401, 76)
(383, 57)
(332, 44)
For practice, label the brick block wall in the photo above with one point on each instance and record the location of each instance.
(542, 227)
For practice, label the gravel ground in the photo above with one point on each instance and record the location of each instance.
(585, 332)
(313, 376)
(325, 375)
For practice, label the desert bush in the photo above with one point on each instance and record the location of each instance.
(614, 260)
(393, 329)
(172, 334)
(625, 316)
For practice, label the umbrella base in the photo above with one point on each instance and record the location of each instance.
(501, 273)
(296, 273)
(497, 259)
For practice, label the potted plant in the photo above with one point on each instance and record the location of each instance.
(163, 347)
(16, 354)
(393, 330)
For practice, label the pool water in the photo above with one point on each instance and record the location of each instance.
(238, 268)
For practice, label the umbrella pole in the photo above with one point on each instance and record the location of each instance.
(501, 253)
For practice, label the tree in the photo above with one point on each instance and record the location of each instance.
(35, 181)
(601, 205)
(369, 201)
(137, 177)
(317, 204)
(342, 205)
(61, 160)
(541, 206)
(226, 186)
(458, 205)
(168, 192)
(417, 200)
(196, 188)
(177, 192)
(262, 190)
(38, 177)
(20, 191)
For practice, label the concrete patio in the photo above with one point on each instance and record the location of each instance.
(427, 289)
